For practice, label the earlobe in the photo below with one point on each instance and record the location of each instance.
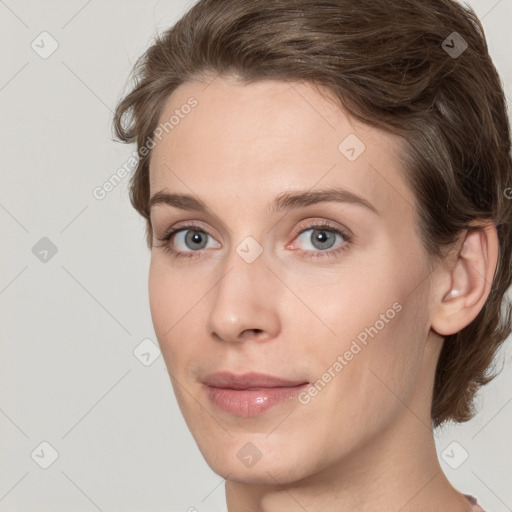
(466, 284)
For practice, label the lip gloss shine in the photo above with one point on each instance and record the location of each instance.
(252, 401)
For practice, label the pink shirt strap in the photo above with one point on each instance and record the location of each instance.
(476, 506)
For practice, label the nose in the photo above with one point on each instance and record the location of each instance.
(244, 304)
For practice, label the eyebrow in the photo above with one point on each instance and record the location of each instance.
(284, 201)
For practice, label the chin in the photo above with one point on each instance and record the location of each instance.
(260, 475)
(244, 463)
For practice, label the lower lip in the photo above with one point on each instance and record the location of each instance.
(251, 402)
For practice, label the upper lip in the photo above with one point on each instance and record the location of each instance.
(248, 380)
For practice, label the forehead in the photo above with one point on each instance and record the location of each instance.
(269, 136)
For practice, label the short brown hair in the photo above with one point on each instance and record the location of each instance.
(389, 63)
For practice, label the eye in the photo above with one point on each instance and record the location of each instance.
(187, 240)
(318, 238)
(192, 239)
(321, 240)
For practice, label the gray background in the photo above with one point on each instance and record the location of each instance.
(70, 323)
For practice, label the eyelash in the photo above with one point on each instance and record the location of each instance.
(323, 226)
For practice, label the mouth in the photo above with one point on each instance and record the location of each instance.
(250, 394)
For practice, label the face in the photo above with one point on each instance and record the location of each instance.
(290, 298)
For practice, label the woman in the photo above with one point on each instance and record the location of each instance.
(325, 190)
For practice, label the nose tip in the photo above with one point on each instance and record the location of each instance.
(243, 306)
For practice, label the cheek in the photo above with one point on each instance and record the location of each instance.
(372, 380)
(171, 292)
(161, 298)
(390, 361)
(178, 314)
(379, 326)
(169, 301)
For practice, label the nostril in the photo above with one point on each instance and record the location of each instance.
(248, 332)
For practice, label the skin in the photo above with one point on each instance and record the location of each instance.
(365, 441)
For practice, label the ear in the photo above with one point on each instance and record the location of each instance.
(464, 282)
